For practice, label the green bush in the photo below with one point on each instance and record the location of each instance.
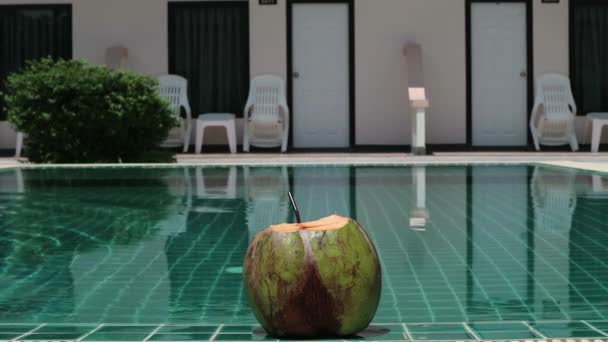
(75, 112)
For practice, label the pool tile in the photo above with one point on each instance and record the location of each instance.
(511, 326)
(503, 331)
(566, 330)
(181, 329)
(507, 335)
(602, 325)
(16, 328)
(117, 337)
(386, 328)
(243, 337)
(66, 329)
(436, 328)
(520, 317)
(317, 340)
(8, 337)
(386, 336)
(181, 337)
(442, 336)
(126, 329)
(51, 336)
(240, 329)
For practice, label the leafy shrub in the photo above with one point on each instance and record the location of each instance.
(75, 112)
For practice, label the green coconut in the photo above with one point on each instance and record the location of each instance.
(312, 280)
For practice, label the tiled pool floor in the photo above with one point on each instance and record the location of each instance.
(137, 247)
(591, 331)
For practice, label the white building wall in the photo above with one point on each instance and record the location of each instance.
(551, 37)
(381, 26)
(268, 38)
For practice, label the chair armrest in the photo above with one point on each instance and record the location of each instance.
(572, 103)
(534, 116)
(283, 104)
(284, 108)
(285, 114)
(184, 102)
(188, 110)
(285, 111)
(573, 107)
(248, 106)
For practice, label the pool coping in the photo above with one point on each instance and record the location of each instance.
(595, 167)
(598, 164)
(586, 161)
(381, 332)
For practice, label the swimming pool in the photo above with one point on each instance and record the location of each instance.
(489, 245)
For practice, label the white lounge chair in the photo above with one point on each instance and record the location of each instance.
(266, 190)
(175, 90)
(553, 199)
(266, 114)
(556, 124)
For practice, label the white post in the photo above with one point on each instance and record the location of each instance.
(419, 215)
(19, 179)
(419, 131)
(417, 95)
(420, 183)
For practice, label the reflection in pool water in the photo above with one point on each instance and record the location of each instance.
(166, 245)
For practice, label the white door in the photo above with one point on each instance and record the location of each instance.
(320, 59)
(498, 73)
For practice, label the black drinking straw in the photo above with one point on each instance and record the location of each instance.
(295, 208)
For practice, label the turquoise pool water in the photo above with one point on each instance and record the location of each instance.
(457, 243)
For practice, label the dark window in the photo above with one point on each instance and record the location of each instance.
(209, 46)
(30, 32)
(589, 54)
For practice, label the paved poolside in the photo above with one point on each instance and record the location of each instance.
(582, 160)
(585, 161)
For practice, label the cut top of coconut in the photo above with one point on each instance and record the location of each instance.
(332, 222)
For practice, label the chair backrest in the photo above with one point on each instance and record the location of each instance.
(266, 191)
(553, 199)
(266, 93)
(175, 90)
(555, 94)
